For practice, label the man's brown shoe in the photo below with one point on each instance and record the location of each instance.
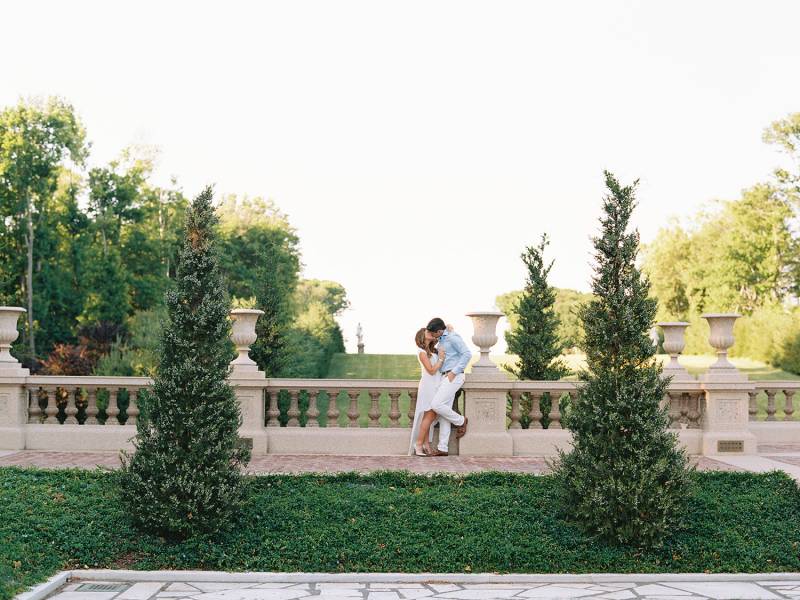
(438, 452)
(462, 430)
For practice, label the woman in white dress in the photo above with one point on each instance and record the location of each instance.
(429, 359)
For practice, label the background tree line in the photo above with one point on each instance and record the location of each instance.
(90, 252)
(738, 255)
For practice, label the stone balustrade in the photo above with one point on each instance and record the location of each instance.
(717, 412)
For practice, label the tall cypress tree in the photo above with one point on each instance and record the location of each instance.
(185, 475)
(535, 339)
(625, 479)
(276, 284)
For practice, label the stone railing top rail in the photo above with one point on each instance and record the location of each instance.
(776, 384)
(343, 384)
(357, 384)
(90, 380)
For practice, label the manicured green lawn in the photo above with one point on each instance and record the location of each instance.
(374, 366)
(736, 522)
(405, 366)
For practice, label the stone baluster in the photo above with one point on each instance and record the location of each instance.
(313, 411)
(673, 401)
(91, 406)
(133, 407)
(294, 409)
(771, 404)
(536, 411)
(333, 408)
(34, 409)
(555, 410)
(752, 409)
(788, 407)
(515, 415)
(694, 410)
(51, 410)
(394, 409)
(412, 406)
(374, 410)
(113, 407)
(684, 409)
(352, 412)
(274, 412)
(71, 408)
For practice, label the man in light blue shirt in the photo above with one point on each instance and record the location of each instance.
(457, 357)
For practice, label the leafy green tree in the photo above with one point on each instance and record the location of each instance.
(785, 134)
(185, 476)
(315, 336)
(64, 237)
(113, 198)
(248, 226)
(535, 339)
(151, 244)
(625, 479)
(108, 300)
(37, 138)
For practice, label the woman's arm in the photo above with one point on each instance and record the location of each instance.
(426, 363)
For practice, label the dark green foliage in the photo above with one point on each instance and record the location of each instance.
(790, 353)
(49, 520)
(185, 476)
(108, 298)
(315, 335)
(535, 338)
(625, 480)
(274, 289)
(37, 138)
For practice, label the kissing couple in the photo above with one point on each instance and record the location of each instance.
(443, 356)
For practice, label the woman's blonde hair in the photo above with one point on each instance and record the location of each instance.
(429, 347)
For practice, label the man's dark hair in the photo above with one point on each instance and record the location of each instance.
(436, 324)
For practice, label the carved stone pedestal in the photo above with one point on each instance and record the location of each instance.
(485, 407)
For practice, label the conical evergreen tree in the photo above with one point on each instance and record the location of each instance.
(625, 479)
(275, 279)
(535, 338)
(185, 475)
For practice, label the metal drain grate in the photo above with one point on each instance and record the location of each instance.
(101, 587)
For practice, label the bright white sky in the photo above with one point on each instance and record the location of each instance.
(419, 146)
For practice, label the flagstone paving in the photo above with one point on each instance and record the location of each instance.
(203, 590)
(278, 463)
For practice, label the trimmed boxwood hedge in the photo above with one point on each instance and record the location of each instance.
(392, 521)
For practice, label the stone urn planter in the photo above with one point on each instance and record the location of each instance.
(243, 334)
(721, 338)
(9, 315)
(484, 337)
(674, 343)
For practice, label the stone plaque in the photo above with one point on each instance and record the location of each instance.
(730, 446)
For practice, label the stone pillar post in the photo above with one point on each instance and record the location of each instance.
(247, 380)
(486, 389)
(727, 394)
(13, 398)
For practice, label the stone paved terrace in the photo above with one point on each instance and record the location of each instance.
(786, 457)
(231, 587)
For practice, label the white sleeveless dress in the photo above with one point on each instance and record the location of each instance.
(428, 384)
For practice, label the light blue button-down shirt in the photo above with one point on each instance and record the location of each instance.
(457, 354)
